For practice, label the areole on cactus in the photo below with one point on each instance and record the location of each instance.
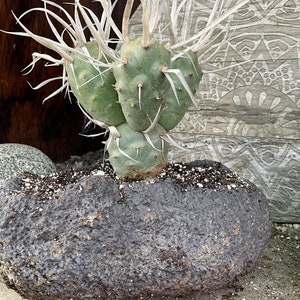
(138, 91)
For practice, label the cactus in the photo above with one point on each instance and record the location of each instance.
(92, 85)
(139, 91)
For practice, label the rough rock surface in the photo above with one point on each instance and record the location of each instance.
(99, 238)
(18, 158)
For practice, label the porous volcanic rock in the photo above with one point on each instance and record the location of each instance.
(99, 238)
(17, 158)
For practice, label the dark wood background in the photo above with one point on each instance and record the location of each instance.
(54, 126)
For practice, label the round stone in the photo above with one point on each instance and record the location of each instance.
(99, 238)
(18, 158)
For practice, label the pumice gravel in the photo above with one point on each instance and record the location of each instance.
(206, 176)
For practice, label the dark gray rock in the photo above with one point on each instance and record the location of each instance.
(100, 239)
(18, 158)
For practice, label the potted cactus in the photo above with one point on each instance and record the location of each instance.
(131, 236)
(138, 90)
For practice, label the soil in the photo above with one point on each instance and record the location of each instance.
(276, 276)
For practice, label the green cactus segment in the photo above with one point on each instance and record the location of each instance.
(141, 84)
(135, 156)
(176, 107)
(92, 85)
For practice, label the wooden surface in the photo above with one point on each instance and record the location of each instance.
(52, 127)
(248, 112)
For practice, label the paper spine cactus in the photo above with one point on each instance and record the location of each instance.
(138, 92)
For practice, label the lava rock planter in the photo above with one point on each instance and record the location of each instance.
(78, 236)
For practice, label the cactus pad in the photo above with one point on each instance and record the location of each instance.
(176, 107)
(135, 155)
(141, 84)
(93, 86)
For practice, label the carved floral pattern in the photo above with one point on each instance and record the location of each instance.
(248, 114)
